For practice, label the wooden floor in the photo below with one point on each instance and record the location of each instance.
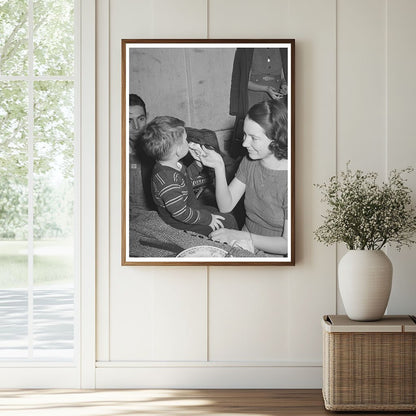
(165, 402)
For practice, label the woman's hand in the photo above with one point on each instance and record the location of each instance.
(211, 158)
(225, 235)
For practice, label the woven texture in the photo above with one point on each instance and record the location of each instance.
(147, 225)
(369, 371)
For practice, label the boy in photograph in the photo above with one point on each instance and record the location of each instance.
(165, 140)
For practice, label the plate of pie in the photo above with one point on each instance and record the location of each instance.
(203, 251)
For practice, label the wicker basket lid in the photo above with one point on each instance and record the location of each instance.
(389, 323)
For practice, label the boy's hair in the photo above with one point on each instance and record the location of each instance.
(134, 100)
(160, 135)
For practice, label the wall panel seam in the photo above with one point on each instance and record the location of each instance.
(387, 48)
(336, 142)
(208, 20)
(207, 314)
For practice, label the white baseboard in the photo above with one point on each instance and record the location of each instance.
(169, 375)
(209, 377)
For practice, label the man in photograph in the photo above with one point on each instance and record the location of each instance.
(140, 165)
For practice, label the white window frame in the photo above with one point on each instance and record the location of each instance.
(81, 372)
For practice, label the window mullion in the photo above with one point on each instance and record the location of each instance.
(30, 178)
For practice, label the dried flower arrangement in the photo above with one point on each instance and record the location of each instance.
(366, 215)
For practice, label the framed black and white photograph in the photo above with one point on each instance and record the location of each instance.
(208, 152)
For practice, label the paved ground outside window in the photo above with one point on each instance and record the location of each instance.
(53, 323)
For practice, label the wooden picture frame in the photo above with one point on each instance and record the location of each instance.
(206, 87)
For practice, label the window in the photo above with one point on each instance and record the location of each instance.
(38, 184)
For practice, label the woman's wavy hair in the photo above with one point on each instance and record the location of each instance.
(272, 117)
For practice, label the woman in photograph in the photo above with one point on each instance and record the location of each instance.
(262, 178)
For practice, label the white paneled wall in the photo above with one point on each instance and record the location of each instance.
(248, 319)
(254, 326)
(163, 316)
(401, 132)
(361, 84)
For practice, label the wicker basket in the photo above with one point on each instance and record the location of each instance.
(369, 366)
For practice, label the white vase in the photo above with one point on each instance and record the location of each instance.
(364, 278)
